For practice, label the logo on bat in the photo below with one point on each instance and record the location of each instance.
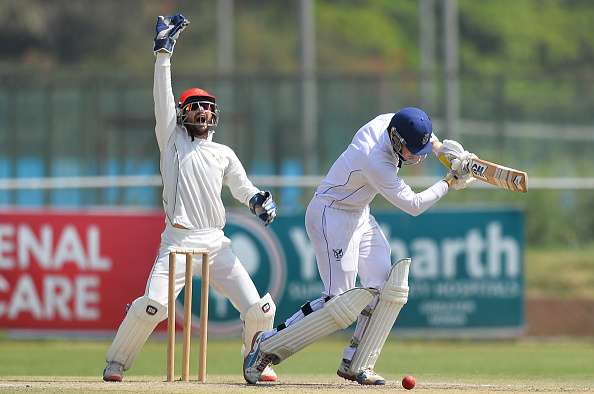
(478, 170)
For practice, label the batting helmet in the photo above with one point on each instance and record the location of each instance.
(411, 127)
(198, 97)
(195, 93)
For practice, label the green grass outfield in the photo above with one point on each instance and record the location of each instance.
(439, 366)
(560, 272)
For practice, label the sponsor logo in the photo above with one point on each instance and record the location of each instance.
(151, 310)
(478, 169)
(425, 138)
(266, 307)
(337, 253)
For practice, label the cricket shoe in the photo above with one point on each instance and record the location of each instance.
(113, 372)
(256, 361)
(365, 377)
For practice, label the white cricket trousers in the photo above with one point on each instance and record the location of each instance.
(347, 243)
(227, 274)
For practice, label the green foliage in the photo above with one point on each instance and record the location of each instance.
(516, 38)
(528, 37)
(367, 36)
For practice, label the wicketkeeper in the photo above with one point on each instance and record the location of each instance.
(348, 242)
(194, 169)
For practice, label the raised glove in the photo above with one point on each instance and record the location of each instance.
(167, 30)
(459, 176)
(263, 206)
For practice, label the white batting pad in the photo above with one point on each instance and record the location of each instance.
(338, 313)
(142, 318)
(391, 300)
(259, 317)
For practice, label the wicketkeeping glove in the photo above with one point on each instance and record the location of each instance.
(167, 30)
(263, 206)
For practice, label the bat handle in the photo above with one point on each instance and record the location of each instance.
(444, 160)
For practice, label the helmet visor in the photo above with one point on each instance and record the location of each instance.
(404, 153)
(200, 113)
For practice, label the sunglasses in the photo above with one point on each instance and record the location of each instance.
(200, 105)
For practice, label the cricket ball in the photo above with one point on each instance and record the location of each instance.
(408, 382)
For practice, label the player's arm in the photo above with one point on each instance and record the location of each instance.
(260, 202)
(167, 31)
(383, 176)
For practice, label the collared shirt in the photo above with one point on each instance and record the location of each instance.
(193, 172)
(369, 166)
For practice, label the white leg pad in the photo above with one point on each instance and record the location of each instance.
(140, 321)
(338, 313)
(259, 317)
(391, 300)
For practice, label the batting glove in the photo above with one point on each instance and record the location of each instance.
(263, 206)
(448, 151)
(459, 176)
(167, 30)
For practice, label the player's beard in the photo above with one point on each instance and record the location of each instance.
(196, 131)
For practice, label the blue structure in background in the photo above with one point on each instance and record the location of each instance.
(30, 167)
(5, 168)
(142, 196)
(289, 196)
(62, 167)
(33, 167)
(110, 194)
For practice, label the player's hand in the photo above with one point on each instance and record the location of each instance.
(263, 206)
(167, 31)
(459, 176)
(450, 150)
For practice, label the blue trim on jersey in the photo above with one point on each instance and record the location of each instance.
(347, 181)
(344, 198)
(327, 248)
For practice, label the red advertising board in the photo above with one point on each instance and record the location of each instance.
(73, 271)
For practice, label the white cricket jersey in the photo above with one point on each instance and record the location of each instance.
(367, 167)
(193, 172)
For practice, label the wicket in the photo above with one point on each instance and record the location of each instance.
(187, 333)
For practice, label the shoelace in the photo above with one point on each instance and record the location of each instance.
(264, 362)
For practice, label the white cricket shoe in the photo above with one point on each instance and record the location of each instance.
(255, 362)
(369, 376)
(365, 377)
(113, 372)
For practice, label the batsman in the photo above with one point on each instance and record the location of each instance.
(348, 242)
(194, 169)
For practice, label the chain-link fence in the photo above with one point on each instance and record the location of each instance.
(104, 126)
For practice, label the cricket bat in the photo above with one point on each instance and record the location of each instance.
(492, 173)
(498, 175)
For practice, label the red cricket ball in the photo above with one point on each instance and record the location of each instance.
(408, 382)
